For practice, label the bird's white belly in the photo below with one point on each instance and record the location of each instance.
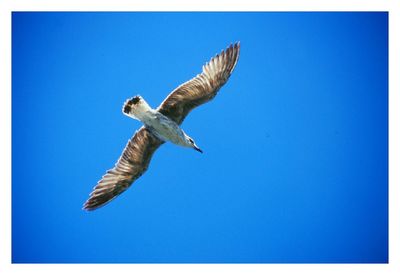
(164, 128)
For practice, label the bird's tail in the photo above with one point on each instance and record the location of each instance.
(136, 107)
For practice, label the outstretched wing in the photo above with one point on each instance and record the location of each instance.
(131, 165)
(201, 88)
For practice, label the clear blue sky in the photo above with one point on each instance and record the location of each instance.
(295, 144)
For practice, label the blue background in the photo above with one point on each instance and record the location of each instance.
(295, 163)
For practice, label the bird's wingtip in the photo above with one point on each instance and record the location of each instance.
(86, 207)
(235, 44)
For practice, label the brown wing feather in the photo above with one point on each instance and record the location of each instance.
(131, 165)
(201, 88)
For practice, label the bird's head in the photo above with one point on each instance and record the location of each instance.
(190, 143)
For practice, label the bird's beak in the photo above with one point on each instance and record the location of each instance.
(197, 149)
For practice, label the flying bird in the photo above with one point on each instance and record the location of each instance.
(161, 125)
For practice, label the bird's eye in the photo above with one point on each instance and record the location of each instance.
(191, 141)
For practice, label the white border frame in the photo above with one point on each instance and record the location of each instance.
(7, 6)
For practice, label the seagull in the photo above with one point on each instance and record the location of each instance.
(161, 125)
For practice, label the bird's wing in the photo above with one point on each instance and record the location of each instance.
(131, 165)
(201, 88)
